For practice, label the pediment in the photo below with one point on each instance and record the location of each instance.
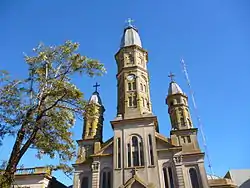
(135, 182)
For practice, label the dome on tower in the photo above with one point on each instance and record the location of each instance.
(174, 88)
(95, 98)
(130, 37)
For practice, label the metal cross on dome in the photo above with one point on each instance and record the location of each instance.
(129, 21)
(171, 76)
(96, 86)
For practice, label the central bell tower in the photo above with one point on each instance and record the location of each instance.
(132, 77)
(135, 125)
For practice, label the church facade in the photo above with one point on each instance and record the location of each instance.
(138, 155)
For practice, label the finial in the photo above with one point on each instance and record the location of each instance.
(171, 76)
(133, 171)
(129, 21)
(96, 86)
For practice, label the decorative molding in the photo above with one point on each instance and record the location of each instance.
(178, 159)
(95, 166)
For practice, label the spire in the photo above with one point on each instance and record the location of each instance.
(130, 36)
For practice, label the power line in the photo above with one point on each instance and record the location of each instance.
(197, 116)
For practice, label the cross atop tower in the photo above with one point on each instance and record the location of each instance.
(171, 76)
(96, 86)
(129, 21)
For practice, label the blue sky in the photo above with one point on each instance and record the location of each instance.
(212, 36)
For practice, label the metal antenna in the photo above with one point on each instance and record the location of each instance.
(197, 116)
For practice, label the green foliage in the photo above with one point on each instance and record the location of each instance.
(41, 109)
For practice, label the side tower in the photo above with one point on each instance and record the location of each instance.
(185, 135)
(93, 119)
(86, 169)
(134, 151)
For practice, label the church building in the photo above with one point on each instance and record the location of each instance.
(138, 155)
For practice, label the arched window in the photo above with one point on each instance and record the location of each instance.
(134, 101)
(182, 122)
(106, 178)
(168, 177)
(130, 101)
(134, 85)
(129, 87)
(194, 178)
(141, 155)
(143, 102)
(145, 88)
(148, 106)
(165, 174)
(90, 131)
(85, 182)
(135, 152)
(118, 152)
(129, 155)
(151, 154)
(189, 122)
(170, 174)
(131, 82)
(141, 86)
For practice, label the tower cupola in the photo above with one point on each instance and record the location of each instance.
(95, 99)
(130, 36)
(174, 88)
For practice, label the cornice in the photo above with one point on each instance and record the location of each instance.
(183, 131)
(133, 47)
(134, 120)
(132, 68)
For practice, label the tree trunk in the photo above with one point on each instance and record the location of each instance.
(8, 176)
(7, 179)
(16, 154)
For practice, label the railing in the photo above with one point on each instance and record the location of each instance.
(36, 170)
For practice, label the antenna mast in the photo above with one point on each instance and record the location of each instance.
(197, 116)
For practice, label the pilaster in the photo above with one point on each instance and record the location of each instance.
(179, 171)
(95, 174)
(203, 175)
(76, 180)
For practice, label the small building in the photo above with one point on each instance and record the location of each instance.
(241, 177)
(38, 177)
